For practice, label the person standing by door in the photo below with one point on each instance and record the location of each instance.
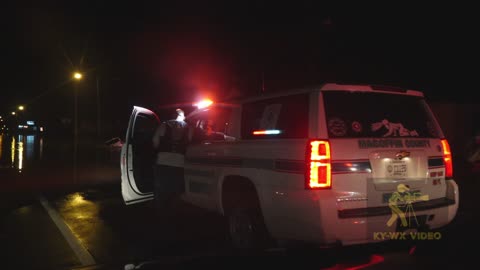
(169, 140)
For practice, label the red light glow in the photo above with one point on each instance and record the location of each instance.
(320, 175)
(447, 158)
(204, 103)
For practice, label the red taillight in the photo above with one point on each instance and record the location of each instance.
(319, 173)
(447, 159)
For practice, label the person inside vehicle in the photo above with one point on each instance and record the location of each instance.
(210, 132)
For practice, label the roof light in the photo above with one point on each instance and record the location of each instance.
(267, 132)
(203, 103)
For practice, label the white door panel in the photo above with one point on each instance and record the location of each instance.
(137, 157)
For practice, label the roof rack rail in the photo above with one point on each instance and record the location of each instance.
(378, 87)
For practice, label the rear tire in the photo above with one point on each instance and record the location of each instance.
(246, 227)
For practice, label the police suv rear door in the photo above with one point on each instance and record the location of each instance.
(138, 156)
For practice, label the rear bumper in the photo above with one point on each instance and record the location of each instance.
(319, 220)
(385, 210)
(369, 225)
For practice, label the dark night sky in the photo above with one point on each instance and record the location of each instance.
(153, 54)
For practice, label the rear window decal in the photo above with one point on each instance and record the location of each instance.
(381, 115)
(270, 116)
(356, 126)
(337, 127)
(394, 129)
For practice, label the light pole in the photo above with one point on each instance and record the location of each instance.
(77, 76)
(98, 109)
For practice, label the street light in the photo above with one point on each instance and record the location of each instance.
(21, 108)
(77, 75)
(14, 113)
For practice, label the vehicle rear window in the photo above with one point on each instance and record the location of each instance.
(367, 114)
(281, 117)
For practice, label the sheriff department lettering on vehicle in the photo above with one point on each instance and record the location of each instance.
(393, 143)
(312, 165)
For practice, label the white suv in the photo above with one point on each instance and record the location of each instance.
(336, 164)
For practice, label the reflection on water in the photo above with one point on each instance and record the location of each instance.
(76, 208)
(30, 147)
(12, 151)
(40, 148)
(19, 154)
(16, 151)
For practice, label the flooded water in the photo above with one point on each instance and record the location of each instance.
(18, 152)
(33, 161)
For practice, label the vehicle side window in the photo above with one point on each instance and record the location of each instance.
(282, 117)
(144, 127)
(212, 125)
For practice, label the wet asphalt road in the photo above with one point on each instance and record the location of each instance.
(47, 221)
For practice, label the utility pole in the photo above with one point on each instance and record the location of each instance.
(75, 134)
(99, 121)
(77, 76)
